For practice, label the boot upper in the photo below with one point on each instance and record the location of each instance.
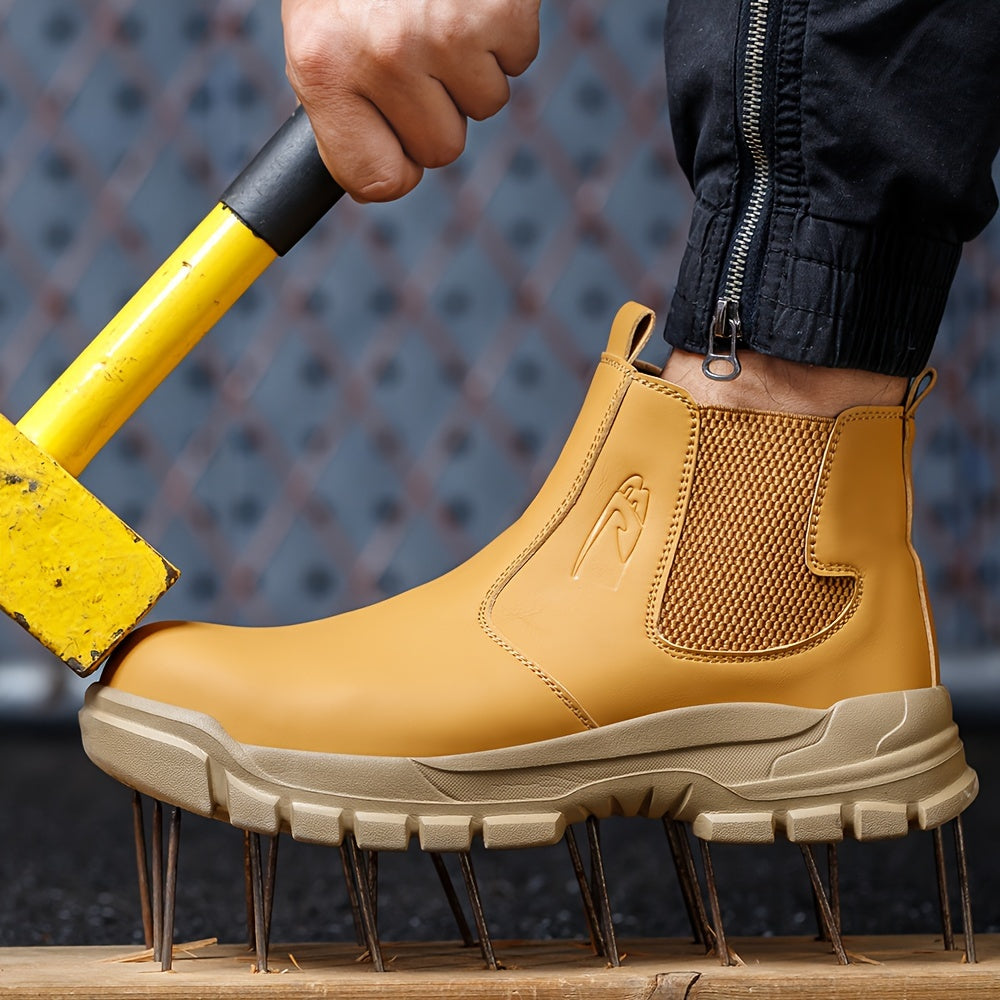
(676, 555)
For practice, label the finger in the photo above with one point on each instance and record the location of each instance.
(478, 86)
(429, 126)
(516, 45)
(360, 149)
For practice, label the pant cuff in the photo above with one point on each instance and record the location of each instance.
(829, 293)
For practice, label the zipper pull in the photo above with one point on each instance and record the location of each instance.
(725, 326)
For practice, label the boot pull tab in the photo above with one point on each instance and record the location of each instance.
(630, 331)
(918, 389)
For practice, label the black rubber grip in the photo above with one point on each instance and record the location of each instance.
(286, 189)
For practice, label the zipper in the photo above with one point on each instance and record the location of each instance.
(721, 362)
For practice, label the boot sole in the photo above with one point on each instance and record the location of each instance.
(870, 767)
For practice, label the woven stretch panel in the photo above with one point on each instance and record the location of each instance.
(740, 580)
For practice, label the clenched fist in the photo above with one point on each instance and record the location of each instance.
(389, 84)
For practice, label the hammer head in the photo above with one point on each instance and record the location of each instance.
(71, 572)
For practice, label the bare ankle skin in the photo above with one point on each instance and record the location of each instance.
(785, 386)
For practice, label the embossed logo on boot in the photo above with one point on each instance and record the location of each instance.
(613, 539)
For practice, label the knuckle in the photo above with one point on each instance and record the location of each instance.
(519, 60)
(488, 104)
(387, 51)
(312, 43)
(449, 25)
(484, 111)
(308, 63)
(446, 150)
(386, 185)
(525, 38)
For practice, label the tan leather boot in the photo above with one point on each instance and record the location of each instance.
(708, 613)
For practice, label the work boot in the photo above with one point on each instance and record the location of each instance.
(712, 614)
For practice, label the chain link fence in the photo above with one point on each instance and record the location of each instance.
(390, 394)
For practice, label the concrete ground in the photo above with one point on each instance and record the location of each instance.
(67, 870)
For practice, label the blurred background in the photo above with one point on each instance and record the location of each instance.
(389, 395)
(383, 402)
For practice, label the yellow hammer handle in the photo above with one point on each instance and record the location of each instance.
(270, 206)
(158, 326)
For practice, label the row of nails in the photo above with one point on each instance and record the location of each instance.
(157, 892)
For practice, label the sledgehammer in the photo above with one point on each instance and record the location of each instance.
(73, 574)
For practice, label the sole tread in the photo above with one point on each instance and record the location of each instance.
(199, 773)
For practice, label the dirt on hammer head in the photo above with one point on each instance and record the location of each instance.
(74, 574)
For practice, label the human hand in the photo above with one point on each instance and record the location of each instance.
(389, 84)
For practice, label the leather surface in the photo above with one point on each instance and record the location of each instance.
(553, 627)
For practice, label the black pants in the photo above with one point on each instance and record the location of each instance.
(840, 154)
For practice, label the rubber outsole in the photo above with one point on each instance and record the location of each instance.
(869, 768)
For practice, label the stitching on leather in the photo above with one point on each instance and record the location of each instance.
(712, 605)
(756, 656)
(824, 480)
(680, 508)
(486, 607)
(934, 666)
(820, 499)
(635, 376)
(782, 653)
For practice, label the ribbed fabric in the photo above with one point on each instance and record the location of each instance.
(740, 580)
(829, 294)
(877, 124)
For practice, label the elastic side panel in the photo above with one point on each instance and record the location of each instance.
(740, 579)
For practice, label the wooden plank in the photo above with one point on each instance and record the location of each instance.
(897, 968)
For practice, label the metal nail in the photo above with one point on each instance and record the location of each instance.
(170, 895)
(599, 888)
(352, 896)
(833, 879)
(963, 887)
(248, 892)
(823, 901)
(142, 869)
(360, 877)
(821, 934)
(257, 891)
(708, 932)
(269, 880)
(719, 932)
(157, 879)
(586, 896)
(687, 880)
(944, 903)
(475, 901)
(452, 896)
(371, 867)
